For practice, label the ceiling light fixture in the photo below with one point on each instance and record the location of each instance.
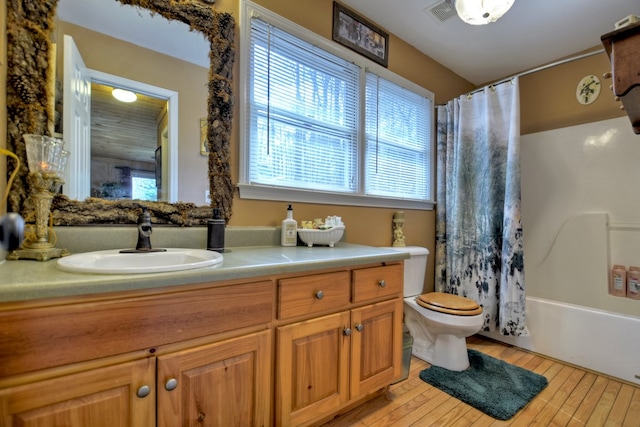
(124, 95)
(481, 12)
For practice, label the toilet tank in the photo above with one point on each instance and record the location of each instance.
(414, 269)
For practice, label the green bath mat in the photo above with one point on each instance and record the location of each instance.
(493, 386)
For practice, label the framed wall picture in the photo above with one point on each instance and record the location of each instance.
(360, 35)
(204, 147)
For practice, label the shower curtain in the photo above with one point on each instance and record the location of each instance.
(479, 248)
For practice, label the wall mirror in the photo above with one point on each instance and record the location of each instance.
(31, 77)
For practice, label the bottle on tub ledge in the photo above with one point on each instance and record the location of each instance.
(289, 233)
(618, 281)
(633, 283)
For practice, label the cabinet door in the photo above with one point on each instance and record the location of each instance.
(222, 384)
(105, 397)
(312, 369)
(376, 359)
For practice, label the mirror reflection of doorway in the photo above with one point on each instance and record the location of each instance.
(124, 139)
(113, 143)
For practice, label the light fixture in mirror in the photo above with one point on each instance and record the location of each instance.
(124, 95)
(481, 12)
(30, 83)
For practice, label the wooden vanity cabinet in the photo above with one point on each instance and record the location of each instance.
(140, 360)
(204, 354)
(326, 363)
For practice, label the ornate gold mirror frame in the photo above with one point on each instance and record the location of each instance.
(30, 26)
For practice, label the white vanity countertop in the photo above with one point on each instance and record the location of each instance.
(26, 280)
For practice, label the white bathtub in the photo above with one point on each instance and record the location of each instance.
(594, 339)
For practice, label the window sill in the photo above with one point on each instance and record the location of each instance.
(262, 192)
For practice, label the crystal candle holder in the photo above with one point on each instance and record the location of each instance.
(43, 153)
(47, 159)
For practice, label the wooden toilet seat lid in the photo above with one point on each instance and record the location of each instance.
(449, 304)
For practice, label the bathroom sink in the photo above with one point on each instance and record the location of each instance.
(114, 262)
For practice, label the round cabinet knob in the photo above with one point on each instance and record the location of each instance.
(359, 327)
(382, 283)
(171, 384)
(319, 295)
(347, 332)
(143, 391)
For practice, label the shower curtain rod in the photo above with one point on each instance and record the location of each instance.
(535, 70)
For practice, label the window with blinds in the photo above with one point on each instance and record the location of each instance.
(303, 113)
(398, 141)
(319, 125)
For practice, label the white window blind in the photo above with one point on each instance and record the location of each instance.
(398, 141)
(303, 113)
(322, 124)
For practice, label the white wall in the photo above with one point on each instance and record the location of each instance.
(569, 172)
(581, 215)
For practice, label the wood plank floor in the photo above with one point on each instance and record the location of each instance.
(574, 397)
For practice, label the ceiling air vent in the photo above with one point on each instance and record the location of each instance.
(441, 11)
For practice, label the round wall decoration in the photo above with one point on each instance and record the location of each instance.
(588, 89)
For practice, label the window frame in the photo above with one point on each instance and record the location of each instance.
(248, 190)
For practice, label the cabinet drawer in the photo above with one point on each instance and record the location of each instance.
(312, 294)
(377, 282)
(44, 337)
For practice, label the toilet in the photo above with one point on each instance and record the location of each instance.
(438, 322)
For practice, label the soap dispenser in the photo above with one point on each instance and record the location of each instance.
(215, 232)
(289, 236)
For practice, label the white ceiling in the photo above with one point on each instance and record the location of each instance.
(532, 33)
